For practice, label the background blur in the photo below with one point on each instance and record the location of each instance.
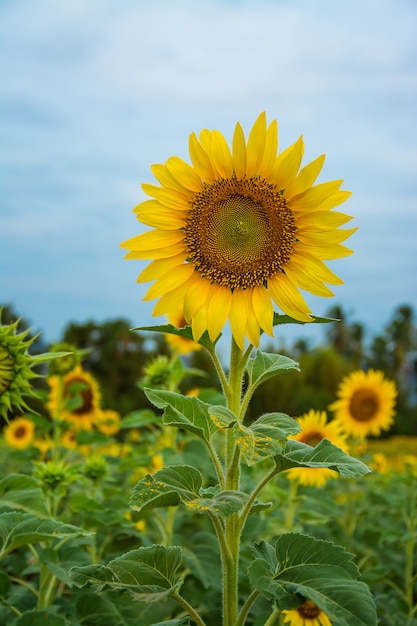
(94, 91)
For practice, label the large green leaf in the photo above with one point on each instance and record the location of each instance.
(188, 413)
(149, 574)
(168, 486)
(266, 365)
(18, 529)
(325, 454)
(220, 503)
(302, 567)
(286, 319)
(39, 618)
(18, 491)
(265, 437)
(184, 332)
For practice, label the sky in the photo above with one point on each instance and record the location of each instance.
(93, 92)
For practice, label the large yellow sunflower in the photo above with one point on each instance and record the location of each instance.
(308, 614)
(78, 402)
(365, 404)
(19, 433)
(314, 428)
(239, 231)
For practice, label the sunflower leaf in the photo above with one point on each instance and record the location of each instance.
(222, 504)
(325, 454)
(19, 529)
(301, 567)
(185, 332)
(221, 416)
(18, 491)
(286, 319)
(149, 574)
(170, 486)
(266, 365)
(188, 413)
(265, 437)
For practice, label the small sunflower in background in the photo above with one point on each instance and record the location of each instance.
(365, 404)
(240, 230)
(108, 422)
(315, 427)
(308, 614)
(19, 433)
(75, 398)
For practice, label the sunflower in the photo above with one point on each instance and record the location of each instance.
(239, 231)
(16, 365)
(308, 614)
(19, 434)
(79, 397)
(108, 422)
(365, 404)
(314, 428)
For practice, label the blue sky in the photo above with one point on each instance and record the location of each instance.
(95, 91)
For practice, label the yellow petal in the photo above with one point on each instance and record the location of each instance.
(253, 331)
(200, 160)
(288, 298)
(317, 236)
(256, 146)
(262, 308)
(270, 151)
(168, 197)
(239, 312)
(335, 200)
(196, 297)
(160, 253)
(184, 174)
(239, 151)
(315, 196)
(164, 176)
(327, 251)
(218, 309)
(161, 266)
(317, 267)
(153, 213)
(172, 301)
(199, 323)
(169, 281)
(323, 219)
(153, 240)
(305, 178)
(307, 281)
(220, 155)
(287, 164)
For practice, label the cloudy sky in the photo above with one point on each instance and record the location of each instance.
(95, 91)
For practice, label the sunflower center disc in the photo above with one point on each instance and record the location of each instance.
(364, 405)
(309, 610)
(239, 232)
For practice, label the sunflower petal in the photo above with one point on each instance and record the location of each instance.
(256, 146)
(153, 213)
(262, 308)
(220, 155)
(288, 163)
(184, 174)
(160, 266)
(305, 178)
(239, 316)
(169, 281)
(153, 240)
(218, 309)
(200, 160)
(168, 197)
(239, 151)
(288, 298)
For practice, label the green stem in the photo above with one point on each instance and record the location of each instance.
(272, 619)
(244, 612)
(217, 465)
(292, 501)
(246, 509)
(191, 612)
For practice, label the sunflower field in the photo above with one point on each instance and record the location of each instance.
(162, 481)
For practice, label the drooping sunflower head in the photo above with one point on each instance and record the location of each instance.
(365, 404)
(239, 231)
(314, 428)
(308, 614)
(75, 398)
(16, 365)
(19, 433)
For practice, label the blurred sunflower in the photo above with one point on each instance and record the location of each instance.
(108, 422)
(75, 398)
(239, 231)
(308, 614)
(365, 404)
(178, 344)
(19, 433)
(314, 428)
